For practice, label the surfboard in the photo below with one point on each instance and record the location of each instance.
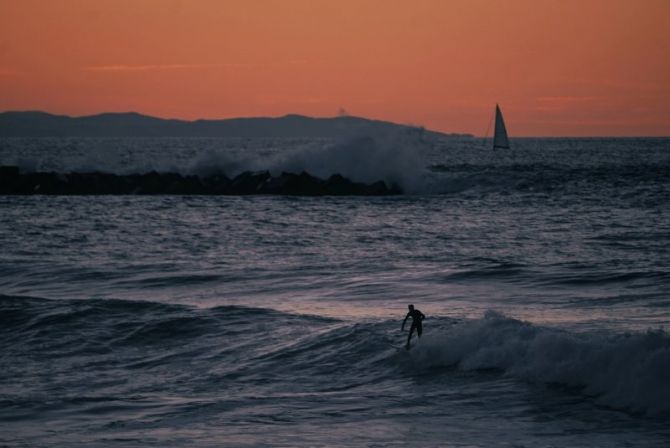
(401, 348)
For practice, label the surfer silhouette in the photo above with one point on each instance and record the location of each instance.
(417, 317)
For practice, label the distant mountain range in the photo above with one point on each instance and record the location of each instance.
(42, 124)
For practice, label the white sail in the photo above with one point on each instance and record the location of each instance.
(500, 135)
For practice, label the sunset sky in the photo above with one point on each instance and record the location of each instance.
(557, 67)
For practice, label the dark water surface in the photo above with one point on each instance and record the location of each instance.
(275, 321)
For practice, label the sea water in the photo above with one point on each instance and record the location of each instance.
(544, 273)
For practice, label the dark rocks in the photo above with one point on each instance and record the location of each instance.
(301, 184)
(249, 183)
(12, 181)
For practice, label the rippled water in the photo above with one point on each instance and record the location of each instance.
(275, 321)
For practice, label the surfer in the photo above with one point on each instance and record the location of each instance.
(417, 317)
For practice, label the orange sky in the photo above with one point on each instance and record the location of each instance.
(557, 67)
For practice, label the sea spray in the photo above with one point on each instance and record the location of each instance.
(622, 370)
(393, 157)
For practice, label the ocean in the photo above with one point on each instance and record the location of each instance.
(275, 321)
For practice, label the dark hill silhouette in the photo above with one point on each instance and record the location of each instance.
(131, 124)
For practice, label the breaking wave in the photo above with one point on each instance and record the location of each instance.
(620, 370)
(416, 163)
(395, 159)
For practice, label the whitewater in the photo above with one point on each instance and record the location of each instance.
(246, 321)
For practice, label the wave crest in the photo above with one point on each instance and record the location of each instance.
(627, 371)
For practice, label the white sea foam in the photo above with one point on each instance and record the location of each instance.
(628, 371)
(395, 158)
(418, 163)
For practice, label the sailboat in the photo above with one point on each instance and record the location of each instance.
(500, 134)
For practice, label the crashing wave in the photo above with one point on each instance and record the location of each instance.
(621, 370)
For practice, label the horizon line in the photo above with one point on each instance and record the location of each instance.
(465, 134)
